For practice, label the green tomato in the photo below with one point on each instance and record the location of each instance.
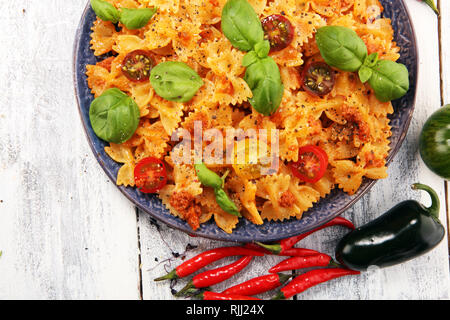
(434, 142)
(114, 116)
(175, 81)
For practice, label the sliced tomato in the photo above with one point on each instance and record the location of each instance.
(279, 31)
(150, 175)
(311, 165)
(137, 65)
(317, 78)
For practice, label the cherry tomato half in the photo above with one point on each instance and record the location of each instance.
(136, 66)
(150, 175)
(279, 31)
(317, 78)
(311, 165)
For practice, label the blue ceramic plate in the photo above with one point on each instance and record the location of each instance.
(322, 212)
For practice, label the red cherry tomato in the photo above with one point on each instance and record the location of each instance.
(150, 175)
(279, 31)
(317, 78)
(136, 66)
(311, 165)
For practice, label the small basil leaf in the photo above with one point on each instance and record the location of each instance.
(105, 11)
(371, 60)
(175, 81)
(208, 177)
(250, 58)
(114, 116)
(225, 203)
(390, 80)
(341, 47)
(365, 73)
(262, 48)
(264, 79)
(241, 25)
(134, 19)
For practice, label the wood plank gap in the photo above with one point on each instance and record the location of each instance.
(141, 290)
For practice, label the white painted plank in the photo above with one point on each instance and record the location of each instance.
(426, 277)
(66, 232)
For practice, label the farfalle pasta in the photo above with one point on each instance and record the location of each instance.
(349, 124)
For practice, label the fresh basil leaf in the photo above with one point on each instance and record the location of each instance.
(208, 177)
(365, 73)
(250, 58)
(175, 81)
(105, 11)
(241, 25)
(341, 47)
(262, 48)
(134, 19)
(390, 80)
(264, 79)
(225, 203)
(114, 116)
(371, 60)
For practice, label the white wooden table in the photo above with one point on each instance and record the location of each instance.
(66, 232)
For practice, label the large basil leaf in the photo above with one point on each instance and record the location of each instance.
(241, 25)
(114, 116)
(175, 81)
(105, 11)
(134, 19)
(264, 79)
(389, 80)
(341, 47)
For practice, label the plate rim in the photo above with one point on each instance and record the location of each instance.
(226, 237)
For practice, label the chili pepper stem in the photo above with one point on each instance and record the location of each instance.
(334, 264)
(279, 296)
(186, 290)
(170, 276)
(431, 4)
(285, 277)
(274, 248)
(435, 204)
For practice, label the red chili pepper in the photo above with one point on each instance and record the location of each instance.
(310, 279)
(203, 259)
(288, 243)
(257, 247)
(258, 285)
(208, 295)
(212, 277)
(298, 252)
(294, 263)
